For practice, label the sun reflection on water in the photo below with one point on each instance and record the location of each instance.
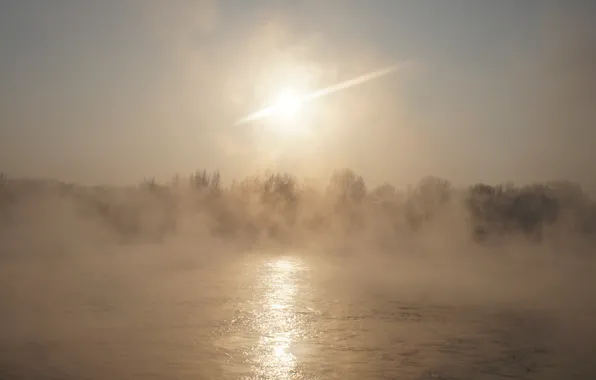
(276, 320)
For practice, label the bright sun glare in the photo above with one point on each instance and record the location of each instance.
(287, 106)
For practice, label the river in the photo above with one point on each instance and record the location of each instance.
(271, 316)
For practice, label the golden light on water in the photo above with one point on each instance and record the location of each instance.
(268, 337)
(277, 322)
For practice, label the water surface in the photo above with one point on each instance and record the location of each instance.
(270, 316)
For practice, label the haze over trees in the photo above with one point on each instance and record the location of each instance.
(281, 208)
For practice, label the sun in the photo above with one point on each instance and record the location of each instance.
(287, 106)
(285, 114)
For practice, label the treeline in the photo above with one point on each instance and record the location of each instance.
(279, 206)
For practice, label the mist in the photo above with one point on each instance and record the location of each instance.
(97, 280)
(475, 260)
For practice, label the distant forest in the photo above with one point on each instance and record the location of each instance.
(279, 206)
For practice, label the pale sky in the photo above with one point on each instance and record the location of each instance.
(114, 91)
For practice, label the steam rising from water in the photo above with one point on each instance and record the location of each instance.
(78, 301)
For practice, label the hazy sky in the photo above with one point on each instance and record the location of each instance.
(118, 90)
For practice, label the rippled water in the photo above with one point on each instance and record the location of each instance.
(268, 317)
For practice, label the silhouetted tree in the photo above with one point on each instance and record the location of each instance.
(426, 200)
(346, 186)
(205, 182)
(384, 192)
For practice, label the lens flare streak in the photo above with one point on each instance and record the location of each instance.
(266, 112)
